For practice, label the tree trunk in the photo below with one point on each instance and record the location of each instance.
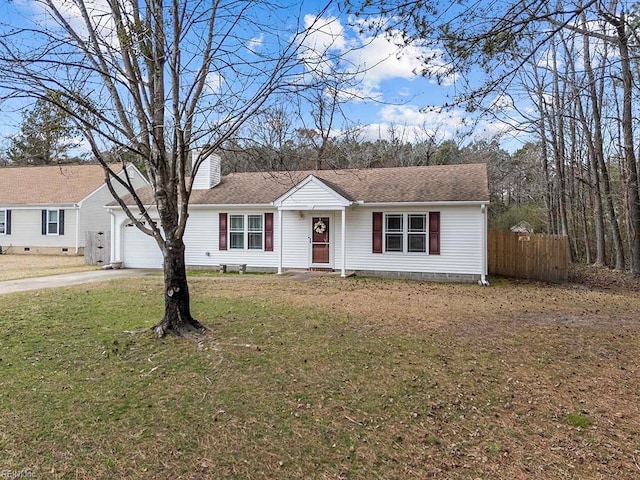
(598, 153)
(544, 151)
(629, 154)
(559, 151)
(633, 195)
(594, 181)
(585, 225)
(177, 311)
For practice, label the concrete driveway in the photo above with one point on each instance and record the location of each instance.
(68, 279)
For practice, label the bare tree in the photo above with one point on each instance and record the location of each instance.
(156, 78)
(508, 41)
(622, 39)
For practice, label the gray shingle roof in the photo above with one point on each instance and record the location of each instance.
(57, 184)
(438, 183)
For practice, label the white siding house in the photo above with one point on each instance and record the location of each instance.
(49, 209)
(420, 222)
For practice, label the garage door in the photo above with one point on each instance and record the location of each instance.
(139, 250)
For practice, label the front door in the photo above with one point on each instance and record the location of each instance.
(320, 251)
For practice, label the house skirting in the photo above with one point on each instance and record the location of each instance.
(20, 250)
(424, 276)
(233, 268)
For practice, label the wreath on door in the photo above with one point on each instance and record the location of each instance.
(320, 227)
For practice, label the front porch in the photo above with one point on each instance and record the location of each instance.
(316, 238)
(321, 224)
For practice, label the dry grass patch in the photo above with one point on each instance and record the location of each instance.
(14, 267)
(323, 379)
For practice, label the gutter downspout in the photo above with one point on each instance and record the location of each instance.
(112, 240)
(483, 282)
(343, 239)
(77, 208)
(279, 241)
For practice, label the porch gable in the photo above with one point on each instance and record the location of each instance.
(312, 194)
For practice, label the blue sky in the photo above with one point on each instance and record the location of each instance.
(388, 93)
(395, 92)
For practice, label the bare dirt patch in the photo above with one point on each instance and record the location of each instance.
(14, 267)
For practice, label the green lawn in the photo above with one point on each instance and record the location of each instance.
(326, 379)
(16, 266)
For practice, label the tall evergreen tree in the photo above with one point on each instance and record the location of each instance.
(46, 137)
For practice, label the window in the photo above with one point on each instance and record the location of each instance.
(246, 231)
(417, 234)
(255, 232)
(52, 222)
(236, 231)
(394, 233)
(406, 232)
(3, 222)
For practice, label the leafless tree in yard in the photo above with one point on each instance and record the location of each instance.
(154, 79)
(577, 59)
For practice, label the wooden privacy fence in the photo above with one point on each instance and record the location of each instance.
(528, 255)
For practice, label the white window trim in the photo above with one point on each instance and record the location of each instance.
(245, 232)
(4, 222)
(261, 231)
(57, 222)
(231, 231)
(424, 234)
(385, 232)
(405, 234)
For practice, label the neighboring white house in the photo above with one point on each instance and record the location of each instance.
(48, 209)
(422, 222)
(522, 227)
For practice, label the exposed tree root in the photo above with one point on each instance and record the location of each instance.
(184, 329)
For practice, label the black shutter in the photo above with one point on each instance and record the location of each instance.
(44, 222)
(60, 222)
(7, 224)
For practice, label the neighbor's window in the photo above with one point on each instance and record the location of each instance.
(3, 222)
(52, 222)
(394, 233)
(236, 231)
(417, 233)
(254, 235)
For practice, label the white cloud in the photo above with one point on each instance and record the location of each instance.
(324, 40)
(255, 43)
(371, 59)
(324, 34)
(441, 124)
(431, 120)
(98, 11)
(214, 82)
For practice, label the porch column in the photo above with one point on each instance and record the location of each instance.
(279, 242)
(343, 235)
(77, 207)
(112, 240)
